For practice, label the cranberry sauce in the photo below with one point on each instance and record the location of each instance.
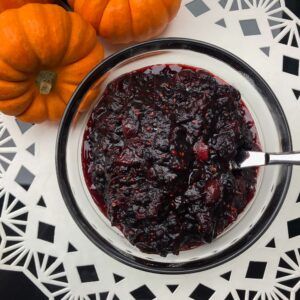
(156, 156)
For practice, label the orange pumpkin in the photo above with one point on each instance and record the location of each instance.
(7, 4)
(45, 53)
(123, 21)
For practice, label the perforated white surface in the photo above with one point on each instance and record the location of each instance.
(52, 264)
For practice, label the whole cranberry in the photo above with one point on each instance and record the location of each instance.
(212, 191)
(130, 127)
(201, 150)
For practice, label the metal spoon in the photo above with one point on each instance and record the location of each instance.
(248, 159)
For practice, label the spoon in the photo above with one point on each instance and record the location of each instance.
(248, 159)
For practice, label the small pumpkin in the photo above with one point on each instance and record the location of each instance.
(45, 53)
(124, 21)
(7, 4)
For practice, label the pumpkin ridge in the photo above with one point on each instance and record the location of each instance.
(17, 26)
(151, 21)
(73, 85)
(19, 93)
(26, 35)
(67, 88)
(66, 81)
(68, 16)
(45, 9)
(79, 59)
(91, 10)
(49, 103)
(87, 53)
(68, 29)
(27, 103)
(28, 73)
(35, 117)
(172, 6)
(66, 85)
(61, 97)
(167, 9)
(135, 34)
(7, 65)
(95, 42)
(131, 19)
(99, 25)
(152, 26)
(104, 11)
(78, 5)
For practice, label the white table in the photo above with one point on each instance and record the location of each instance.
(40, 238)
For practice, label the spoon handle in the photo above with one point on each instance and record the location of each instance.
(292, 158)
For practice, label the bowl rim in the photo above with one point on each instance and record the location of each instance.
(61, 163)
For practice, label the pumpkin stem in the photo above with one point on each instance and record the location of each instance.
(45, 81)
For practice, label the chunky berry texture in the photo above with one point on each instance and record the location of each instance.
(156, 156)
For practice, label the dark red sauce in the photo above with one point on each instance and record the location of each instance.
(156, 156)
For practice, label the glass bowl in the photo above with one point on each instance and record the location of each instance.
(274, 136)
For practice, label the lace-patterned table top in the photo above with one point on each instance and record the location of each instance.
(44, 253)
